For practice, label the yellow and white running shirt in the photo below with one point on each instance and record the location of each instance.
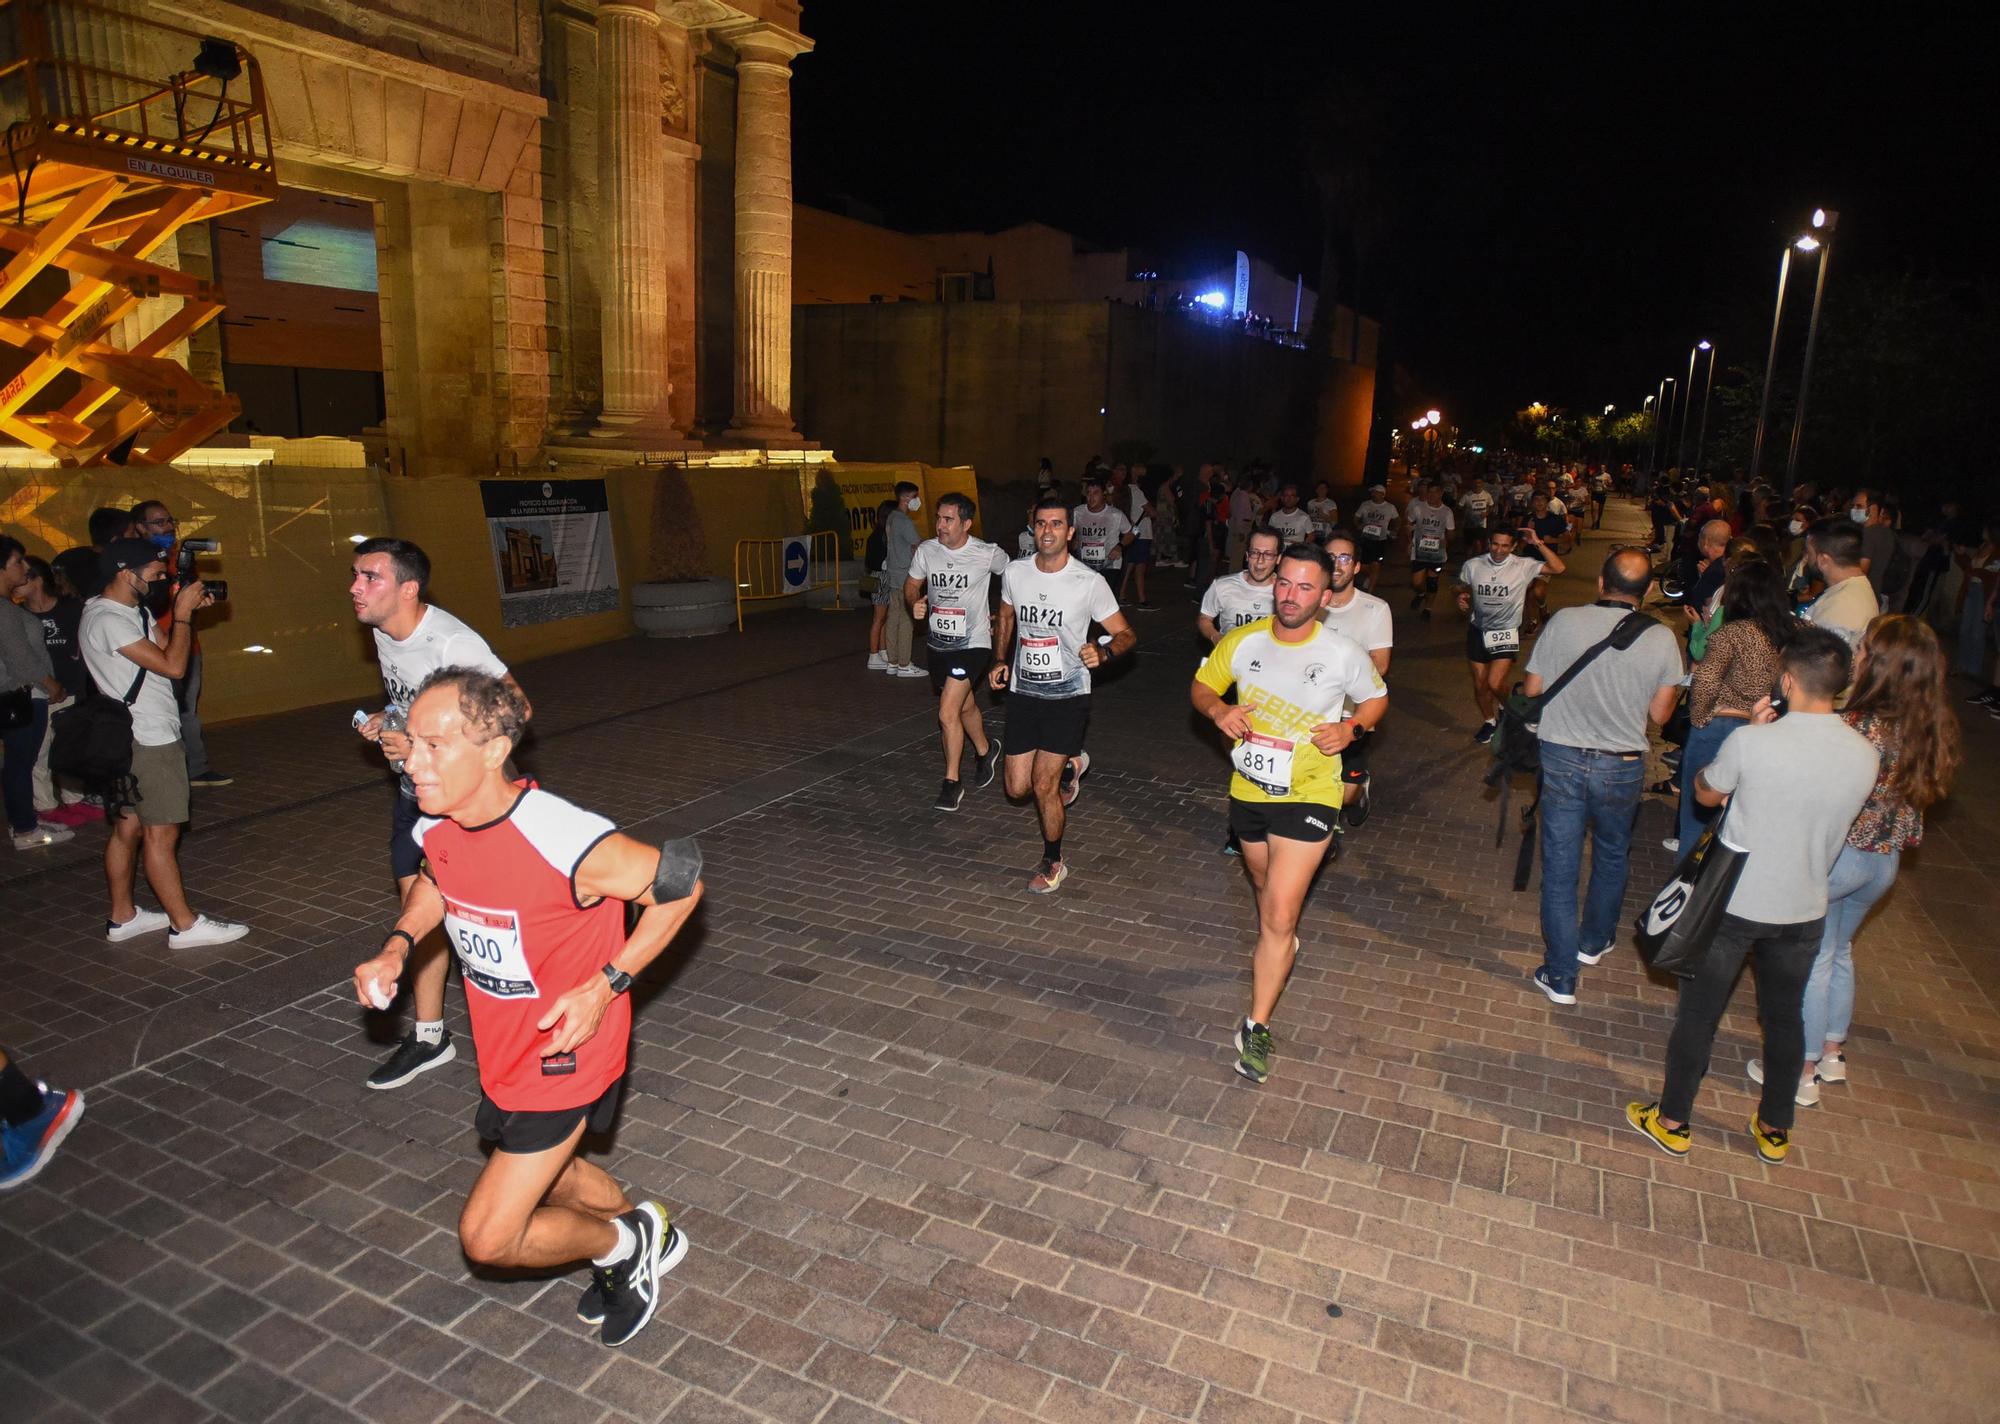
(1288, 689)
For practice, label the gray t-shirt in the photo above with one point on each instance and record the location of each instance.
(1798, 784)
(899, 541)
(1605, 708)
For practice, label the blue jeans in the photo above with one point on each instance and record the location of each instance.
(1972, 631)
(1597, 792)
(19, 746)
(1859, 879)
(1702, 745)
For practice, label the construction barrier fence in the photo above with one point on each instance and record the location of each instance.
(790, 567)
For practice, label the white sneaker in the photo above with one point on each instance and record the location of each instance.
(1834, 1069)
(42, 835)
(206, 931)
(1808, 1094)
(908, 670)
(144, 922)
(877, 661)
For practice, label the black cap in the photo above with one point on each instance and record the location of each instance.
(127, 554)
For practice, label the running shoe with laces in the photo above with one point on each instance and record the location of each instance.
(44, 834)
(983, 767)
(412, 1056)
(949, 796)
(1485, 733)
(631, 1287)
(143, 921)
(1772, 1143)
(1253, 1051)
(211, 777)
(206, 930)
(1833, 1069)
(1808, 1094)
(1048, 878)
(1354, 801)
(1645, 1119)
(1560, 991)
(31, 1144)
(1074, 770)
(592, 1304)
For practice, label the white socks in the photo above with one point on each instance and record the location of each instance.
(430, 1033)
(627, 1244)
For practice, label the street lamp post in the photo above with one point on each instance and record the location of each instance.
(1658, 401)
(1681, 450)
(1824, 221)
(1667, 419)
(1770, 361)
(1701, 440)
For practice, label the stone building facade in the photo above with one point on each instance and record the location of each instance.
(582, 213)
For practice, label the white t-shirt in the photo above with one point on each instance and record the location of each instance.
(1364, 618)
(439, 640)
(1098, 536)
(1499, 591)
(1294, 526)
(1476, 504)
(1376, 517)
(1233, 601)
(108, 626)
(955, 583)
(1052, 618)
(1846, 607)
(1430, 529)
(1325, 514)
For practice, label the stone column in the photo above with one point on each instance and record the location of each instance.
(764, 233)
(632, 219)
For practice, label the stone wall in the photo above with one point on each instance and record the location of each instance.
(998, 385)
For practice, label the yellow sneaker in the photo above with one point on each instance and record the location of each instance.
(1645, 1118)
(1772, 1142)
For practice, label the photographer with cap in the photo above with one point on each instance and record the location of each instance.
(133, 659)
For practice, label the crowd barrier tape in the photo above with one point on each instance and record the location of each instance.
(786, 568)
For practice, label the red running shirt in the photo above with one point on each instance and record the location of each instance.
(523, 941)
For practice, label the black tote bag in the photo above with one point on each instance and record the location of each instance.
(1675, 929)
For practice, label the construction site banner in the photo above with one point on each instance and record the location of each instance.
(552, 547)
(863, 488)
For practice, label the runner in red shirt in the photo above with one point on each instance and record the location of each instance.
(532, 892)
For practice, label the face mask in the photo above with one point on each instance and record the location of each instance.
(1499, 558)
(163, 542)
(1797, 526)
(1859, 516)
(158, 596)
(913, 504)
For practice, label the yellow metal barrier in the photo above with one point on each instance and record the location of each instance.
(786, 568)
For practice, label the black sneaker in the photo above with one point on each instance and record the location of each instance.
(1354, 805)
(212, 777)
(412, 1058)
(949, 796)
(983, 767)
(1485, 733)
(1985, 697)
(631, 1288)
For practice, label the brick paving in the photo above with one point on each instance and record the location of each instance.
(949, 1152)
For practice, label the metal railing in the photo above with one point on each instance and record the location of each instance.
(768, 569)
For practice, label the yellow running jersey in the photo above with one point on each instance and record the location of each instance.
(1288, 689)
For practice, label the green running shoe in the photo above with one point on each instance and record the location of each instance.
(1253, 1051)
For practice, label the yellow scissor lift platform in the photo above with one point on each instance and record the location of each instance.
(103, 166)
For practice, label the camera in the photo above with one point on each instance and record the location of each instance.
(184, 569)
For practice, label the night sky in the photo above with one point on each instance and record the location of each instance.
(1576, 193)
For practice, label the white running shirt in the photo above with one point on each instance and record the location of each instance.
(1499, 591)
(955, 583)
(1364, 618)
(1098, 536)
(1430, 530)
(438, 641)
(1052, 617)
(1233, 601)
(1376, 517)
(1294, 526)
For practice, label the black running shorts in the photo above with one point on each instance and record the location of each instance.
(405, 856)
(1045, 724)
(527, 1132)
(1258, 821)
(958, 665)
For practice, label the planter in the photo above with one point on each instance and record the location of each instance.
(683, 610)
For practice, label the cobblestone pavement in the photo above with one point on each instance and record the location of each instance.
(949, 1152)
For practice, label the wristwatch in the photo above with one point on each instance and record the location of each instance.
(617, 978)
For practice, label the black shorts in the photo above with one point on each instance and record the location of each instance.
(405, 856)
(1258, 821)
(958, 664)
(1477, 651)
(1373, 551)
(1045, 724)
(526, 1132)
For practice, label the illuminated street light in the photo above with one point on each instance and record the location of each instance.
(1808, 243)
(1215, 301)
(1693, 356)
(1433, 417)
(1825, 220)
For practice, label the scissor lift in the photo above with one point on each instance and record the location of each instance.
(103, 166)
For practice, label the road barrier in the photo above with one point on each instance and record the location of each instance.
(785, 568)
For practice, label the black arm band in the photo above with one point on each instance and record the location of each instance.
(403, 935)
(680, 868)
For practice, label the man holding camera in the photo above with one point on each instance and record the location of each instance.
(158, 527)
(131, 656)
